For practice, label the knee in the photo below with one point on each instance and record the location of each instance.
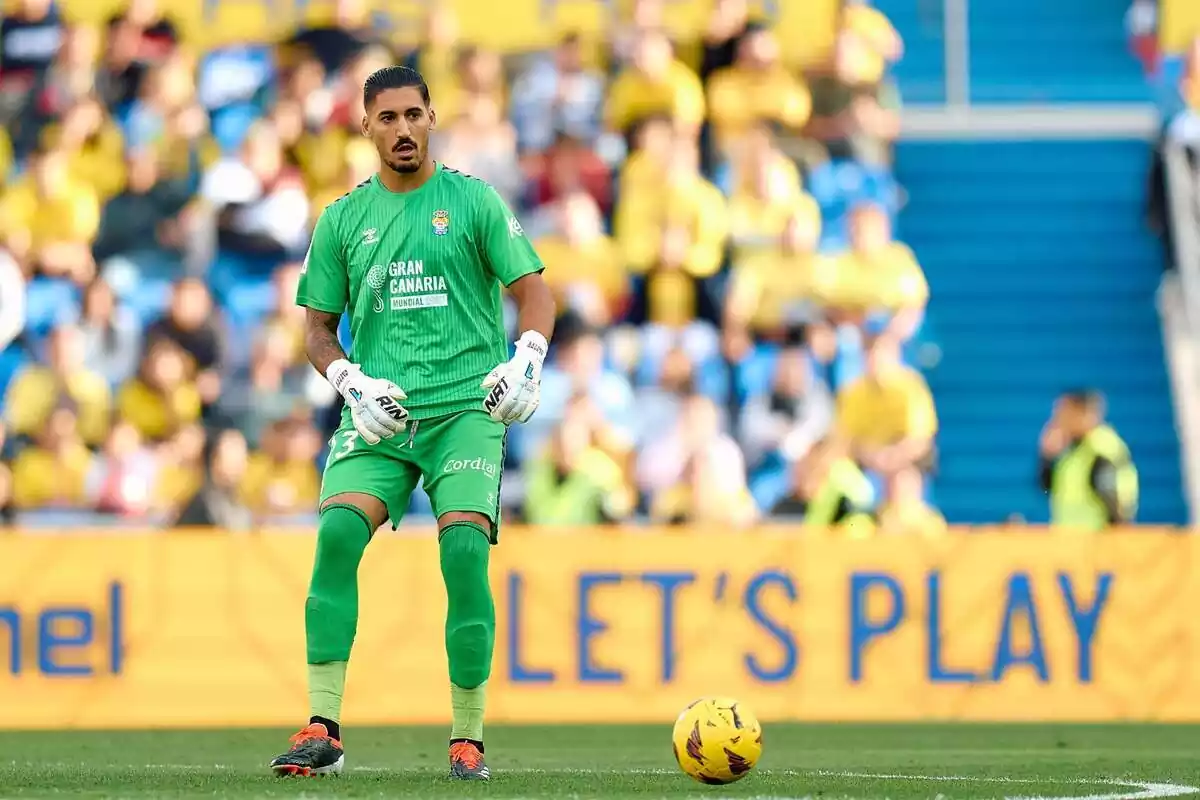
(343, 533)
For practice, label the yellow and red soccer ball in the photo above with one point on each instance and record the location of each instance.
(717, 740)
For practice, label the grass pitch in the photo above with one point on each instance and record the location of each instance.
(613, 763)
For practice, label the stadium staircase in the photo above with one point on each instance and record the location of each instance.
(1043, 278)
(1021, 51)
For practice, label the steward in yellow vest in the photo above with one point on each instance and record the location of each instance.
(831, 491)
(1086, 467)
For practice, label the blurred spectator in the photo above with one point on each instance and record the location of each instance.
(219, 502)
(165, 93)
(578, 368)
(156, 34)
(478, 74)
(727, 23)
(52, 472)
(557, 96)
(482, 143)
(1086, 467)
(795, 415)
(123, 474)
(161, 399)
(65, 381)
(281, 478)
(646, 166)
(881, 44)
(674, 235)
(695, 473)
(574, 481)
(568, 166)
(758, 88)
(886, 418)
(906, 511)
(261, 205)
(31, 32)
(120, 73)
(92, 143)
(770, 293)
(70, 79)
(585, 269)
(190, 324)
(828, 490)
(145, 228)
(659, 405)
(1184, 128)
(112, 334)
(48, 218)
(12, 299)
(182, 471)
(855, 109)
(876, 275)
(655, 83)
(272, 388)
(335, 44)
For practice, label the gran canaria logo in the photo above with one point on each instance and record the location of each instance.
(376, 278)
(441, 222)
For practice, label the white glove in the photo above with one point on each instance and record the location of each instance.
(372, 401)
(516, 385)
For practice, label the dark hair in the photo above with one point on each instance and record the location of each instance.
(393, 78)
(1085, 397)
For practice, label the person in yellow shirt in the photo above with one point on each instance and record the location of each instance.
(770, 292)
(886, 418)
(586, 270)
(94, 147)
(647, 164)
(575, 481)
(877, 275)
(53, 471)
(655, 83)
(160, 399)
(48, 218)
(882, 45)
(906, 511)
(766, 196)
(674, 235)
(65, 381)
(757, 88)
(281, 478)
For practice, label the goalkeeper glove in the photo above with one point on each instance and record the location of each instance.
(373, 402)
(516, 384)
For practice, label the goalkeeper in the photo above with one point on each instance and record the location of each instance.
(417, 254)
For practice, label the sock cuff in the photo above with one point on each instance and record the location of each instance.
(358, 512)
(466, 526)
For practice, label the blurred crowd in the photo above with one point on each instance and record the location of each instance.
(738, 321)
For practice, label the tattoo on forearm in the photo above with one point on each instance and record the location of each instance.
(321, 339)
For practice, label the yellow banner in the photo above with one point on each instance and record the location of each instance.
(203, 629)
(805, 28)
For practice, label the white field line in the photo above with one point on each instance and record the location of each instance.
(1141, 790)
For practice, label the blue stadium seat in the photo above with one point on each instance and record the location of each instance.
(12, 358)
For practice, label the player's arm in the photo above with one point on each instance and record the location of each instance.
(324, 291)
(514, 387)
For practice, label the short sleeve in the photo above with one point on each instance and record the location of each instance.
(506, 250)
(324, 279)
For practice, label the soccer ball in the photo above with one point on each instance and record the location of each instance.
(717, 740)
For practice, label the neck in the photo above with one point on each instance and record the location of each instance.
(401, 182)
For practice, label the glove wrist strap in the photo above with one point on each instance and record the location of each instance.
(536, 343)
(337, 374)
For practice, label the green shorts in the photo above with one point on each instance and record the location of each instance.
(459, 457)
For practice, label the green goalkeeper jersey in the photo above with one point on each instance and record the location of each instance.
(420, 273)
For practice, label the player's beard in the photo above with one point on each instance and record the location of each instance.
(405, 167)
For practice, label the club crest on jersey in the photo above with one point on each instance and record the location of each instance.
(441, 222)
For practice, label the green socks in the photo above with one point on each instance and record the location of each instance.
(470, 623)
(331, 614)
(331, 611)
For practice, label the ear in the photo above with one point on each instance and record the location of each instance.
(432, 119)
(365, 130)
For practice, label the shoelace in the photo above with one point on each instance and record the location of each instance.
(466, 753)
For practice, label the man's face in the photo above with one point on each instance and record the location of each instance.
(569, 56)
(398, 122)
